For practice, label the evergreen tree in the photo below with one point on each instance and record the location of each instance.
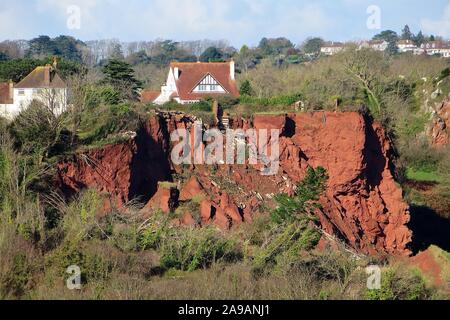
(246, 88)
(419, 39)
(387, 35)
(120, 75)
(406, 33)
(212, 54)
(3, 56)
(392, 48)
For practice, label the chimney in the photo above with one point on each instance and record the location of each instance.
(232, 70)
(47, 70)
(11, 89)
(176, 71)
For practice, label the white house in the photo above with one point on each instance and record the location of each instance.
(406, 46)
(378, 45)
(330, 48)
(189, 82)
(42, 84)
(436, 47)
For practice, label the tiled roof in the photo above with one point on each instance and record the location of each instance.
(332, 45)
(192, 73)
(5, 96)
(405, 42)
(42, 77)
(148, 96)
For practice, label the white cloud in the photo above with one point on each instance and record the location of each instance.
(439, 27)
(235, 20)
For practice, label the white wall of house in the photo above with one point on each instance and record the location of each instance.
(23, 98)
(169, 88)
(209, 85)
(407, 47)
(329, 51)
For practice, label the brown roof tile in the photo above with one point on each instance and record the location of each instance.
(5, 93)
(42, 77)
(191, 73)
(148, 96)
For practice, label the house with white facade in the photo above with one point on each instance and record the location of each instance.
(406, 46)
(42, 84)
(189, 82)
(436, 47)
(378, 45)
(331, 48)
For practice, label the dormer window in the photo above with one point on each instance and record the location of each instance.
(209, 84)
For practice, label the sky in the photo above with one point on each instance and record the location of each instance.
(238, 21)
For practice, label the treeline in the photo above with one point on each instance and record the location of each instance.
(151, 55)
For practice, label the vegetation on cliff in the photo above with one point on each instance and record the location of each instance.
(128, 255)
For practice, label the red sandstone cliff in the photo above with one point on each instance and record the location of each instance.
(363, 205)
(440, 125)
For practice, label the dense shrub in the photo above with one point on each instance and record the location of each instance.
(285, 100)
(190, 249)
(400, 285)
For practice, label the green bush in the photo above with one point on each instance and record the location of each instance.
(189, 249)
(14, 283)
(285, 100)
(400, 285)
(292, 230)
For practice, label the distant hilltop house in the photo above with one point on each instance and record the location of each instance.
(436, 47)
(378, 45)
(42, 84)
(330, 48)
(189, 82)
(406, 46)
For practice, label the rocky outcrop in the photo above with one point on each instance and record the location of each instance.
(126, 171)
(439, 129)
(363, 205)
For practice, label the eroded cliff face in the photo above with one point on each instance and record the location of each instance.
(363, 205)
(440, 124)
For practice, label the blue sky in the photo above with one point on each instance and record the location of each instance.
(239, 21)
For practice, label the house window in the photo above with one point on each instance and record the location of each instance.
(21, 92)
(214, 87)
(202, 87)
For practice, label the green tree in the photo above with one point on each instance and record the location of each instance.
(246, 88)
(17, 69)
(120, 75)
(63, 46)
(41, 47)
(274, 46)
(387, 35)
(312, 46)
(419, 39)
(3, 57)
(406, 33)
(292, 230)
(392, 48)
(304, 203)
(68, 48)
(212, 54)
